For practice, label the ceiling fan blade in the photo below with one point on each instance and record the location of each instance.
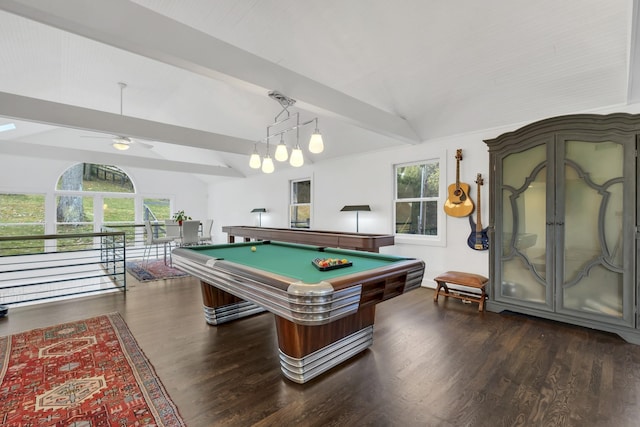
(142, 144)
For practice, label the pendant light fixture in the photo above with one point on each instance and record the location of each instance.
(296, 159)
(282, 154)
(267, 162)
(316, 145)
(254, 160)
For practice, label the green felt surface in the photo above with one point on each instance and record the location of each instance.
(293, 260)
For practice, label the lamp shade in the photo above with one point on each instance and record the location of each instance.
(258, 210)
(254, 161)
(267, 164)
(315, 143)
(296, 159)
(120, 145)
(281, 152)
(361, 208)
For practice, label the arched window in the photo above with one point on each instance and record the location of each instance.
(89, 196)
(92, 177)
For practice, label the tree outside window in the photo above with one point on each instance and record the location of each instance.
(89, 195)
(416, 198)
(300, 205)
(83, 177)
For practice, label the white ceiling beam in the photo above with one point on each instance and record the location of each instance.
(99, 157)
(133, 28)
(70, 116)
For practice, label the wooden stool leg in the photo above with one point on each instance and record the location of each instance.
(437, 294)
(441, 285)
(482, 298)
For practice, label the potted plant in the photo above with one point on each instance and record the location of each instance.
(180, 216)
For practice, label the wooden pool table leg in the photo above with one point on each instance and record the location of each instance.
(221, 307)
(308, 351)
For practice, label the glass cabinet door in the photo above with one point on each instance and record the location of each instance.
(524, 263)
(566, 246)
(591, 248)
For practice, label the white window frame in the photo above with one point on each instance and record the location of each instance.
(440, 239)
(310, 204)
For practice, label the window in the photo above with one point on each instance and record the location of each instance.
(416, 198)
(156, 209)
(92, 195)
(22, 215)
(97, 178)
(75, 212)
(118, 210)
(300, 204)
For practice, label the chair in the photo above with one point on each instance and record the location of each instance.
(207, 225)
(190, 232)
(151, 241)
(173, 230)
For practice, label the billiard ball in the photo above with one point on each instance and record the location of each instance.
(253, 248)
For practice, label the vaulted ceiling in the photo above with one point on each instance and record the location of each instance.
(376, 73)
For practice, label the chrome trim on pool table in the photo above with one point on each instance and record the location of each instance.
(305, 289)
(303, 369)
(319, 305)
(414, 279)
(227, 313)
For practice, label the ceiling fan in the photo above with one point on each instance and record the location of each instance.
(121, 142)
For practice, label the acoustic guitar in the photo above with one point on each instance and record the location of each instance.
(458, 203)
(478, 238)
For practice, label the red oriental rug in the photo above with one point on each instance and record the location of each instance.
(153, 270)
(84, 374)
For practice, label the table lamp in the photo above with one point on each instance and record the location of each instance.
(356, 208)
(259, 210)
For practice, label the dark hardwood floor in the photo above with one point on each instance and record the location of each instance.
(430, 365)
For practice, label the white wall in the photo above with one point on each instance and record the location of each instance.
(34, 175)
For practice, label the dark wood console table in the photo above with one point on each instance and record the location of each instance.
(334, 239)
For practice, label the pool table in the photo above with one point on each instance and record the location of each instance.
(322, 317)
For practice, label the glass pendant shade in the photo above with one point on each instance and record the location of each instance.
(254, 160)
(315, 143)
(281, 152)
(296, 159)
(267, 164)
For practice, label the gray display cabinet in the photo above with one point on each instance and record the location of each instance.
(563, 221)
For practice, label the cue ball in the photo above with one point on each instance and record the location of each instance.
(253, 248)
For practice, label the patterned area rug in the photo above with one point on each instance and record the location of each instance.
(153, 270)
(86, 373)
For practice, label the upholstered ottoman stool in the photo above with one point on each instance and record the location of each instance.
(469, 280)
